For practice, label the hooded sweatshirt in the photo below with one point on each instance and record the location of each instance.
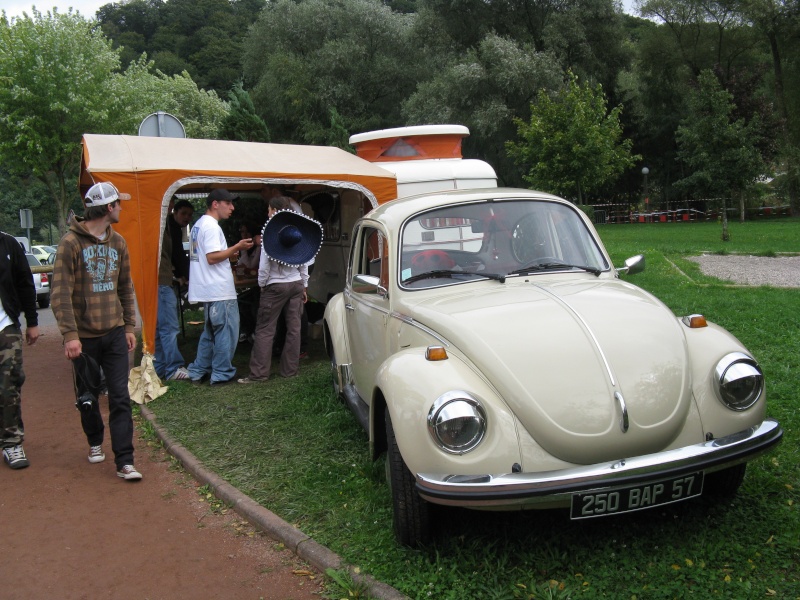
(92, 292)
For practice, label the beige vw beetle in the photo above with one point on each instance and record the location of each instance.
(489, 347)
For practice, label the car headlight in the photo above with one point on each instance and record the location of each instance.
(457, 422)
(739, 381)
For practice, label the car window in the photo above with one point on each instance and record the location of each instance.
(33, 261)
(370, 258)
(457, 243)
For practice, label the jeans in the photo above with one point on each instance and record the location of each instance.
(217, 342)
(168, 357)
(111, 353)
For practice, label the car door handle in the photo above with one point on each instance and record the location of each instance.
(349, 307)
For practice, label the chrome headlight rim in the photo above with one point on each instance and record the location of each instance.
(734, 367)
(471, 406)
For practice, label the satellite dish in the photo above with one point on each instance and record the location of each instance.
(162, 124)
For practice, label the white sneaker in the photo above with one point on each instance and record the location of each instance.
(129, 472)
(96, 454)
(180, 374)
(15, 457)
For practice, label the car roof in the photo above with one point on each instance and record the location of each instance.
(395, 212)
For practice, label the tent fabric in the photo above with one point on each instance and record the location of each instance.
(153, 169)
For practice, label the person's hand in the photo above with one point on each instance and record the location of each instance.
(305, 296)
(131, 339)
(73, 349)
(244, 244)
(31, 335)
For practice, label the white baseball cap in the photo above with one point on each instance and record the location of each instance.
(103, 193)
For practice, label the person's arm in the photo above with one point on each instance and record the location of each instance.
(61, 287)
(23, 282)
(221, 255)
(304, 278)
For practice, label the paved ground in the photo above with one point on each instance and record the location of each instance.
(71, 529)
(780, 271)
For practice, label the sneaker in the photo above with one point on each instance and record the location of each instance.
(129, 472)
(15, 457)
(247, 380)
(223, 381)
(180, 374)
(96, 454)
(242, 338)
(303, 355)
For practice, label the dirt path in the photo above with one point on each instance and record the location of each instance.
(71, 529)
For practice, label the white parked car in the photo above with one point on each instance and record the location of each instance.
(487, 344)
(41, 281)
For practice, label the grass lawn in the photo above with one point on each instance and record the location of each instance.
(294, 448)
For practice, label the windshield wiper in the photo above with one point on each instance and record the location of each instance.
(549, 266)
(450, 273)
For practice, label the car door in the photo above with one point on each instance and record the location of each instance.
(367, 306)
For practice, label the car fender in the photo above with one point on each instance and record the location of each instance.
(409, 401)
(706, 347)
(335, 330)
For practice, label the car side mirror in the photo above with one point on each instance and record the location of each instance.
(368, 284)
(633, 265)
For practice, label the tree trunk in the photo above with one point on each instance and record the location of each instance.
(725, 235)
(741, 206)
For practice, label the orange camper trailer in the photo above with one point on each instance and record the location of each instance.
(332, 184)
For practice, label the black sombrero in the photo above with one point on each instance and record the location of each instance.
(291, 238)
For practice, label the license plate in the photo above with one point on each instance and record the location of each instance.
(636, 497)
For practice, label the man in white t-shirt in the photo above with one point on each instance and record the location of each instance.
(211, 282)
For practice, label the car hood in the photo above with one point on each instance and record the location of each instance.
(566, 356)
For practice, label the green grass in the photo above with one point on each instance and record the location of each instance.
(294, 448)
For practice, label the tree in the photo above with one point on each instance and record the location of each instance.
(55, 81)
(242, 123)
(485, 89)
(59, 79)
(315, 65)
(572, 145)
(721, 152)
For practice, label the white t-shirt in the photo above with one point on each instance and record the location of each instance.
(208, 283)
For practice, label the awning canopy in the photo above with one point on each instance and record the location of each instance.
(153, 169)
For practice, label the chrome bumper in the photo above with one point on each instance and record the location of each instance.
(555, 487)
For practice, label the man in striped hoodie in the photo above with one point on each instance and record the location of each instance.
(92, 299)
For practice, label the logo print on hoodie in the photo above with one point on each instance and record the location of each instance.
(101, 263)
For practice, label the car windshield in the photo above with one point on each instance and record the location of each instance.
(495, 239)
(33, 261)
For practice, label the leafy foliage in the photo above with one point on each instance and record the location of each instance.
(60, 78)
(572, 144)
(242, 123)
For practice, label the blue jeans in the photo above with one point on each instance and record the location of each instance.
(217, 342)
(168, 357)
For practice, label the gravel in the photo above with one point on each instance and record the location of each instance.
(781, 271)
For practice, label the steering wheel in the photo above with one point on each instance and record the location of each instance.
(431, 260)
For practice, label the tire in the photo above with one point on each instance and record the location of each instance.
(411, 514)
(725, 483)
(43, 300)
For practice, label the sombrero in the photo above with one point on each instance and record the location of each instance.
(291, 238)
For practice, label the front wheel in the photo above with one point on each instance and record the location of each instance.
(43, 300)
(411, 514)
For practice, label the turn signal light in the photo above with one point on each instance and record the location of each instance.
(436, 353)
(695, 321)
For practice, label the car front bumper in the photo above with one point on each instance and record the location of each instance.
(557, 487)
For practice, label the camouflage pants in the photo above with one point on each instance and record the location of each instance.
(12, 431)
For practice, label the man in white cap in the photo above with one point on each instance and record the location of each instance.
(92, 299)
